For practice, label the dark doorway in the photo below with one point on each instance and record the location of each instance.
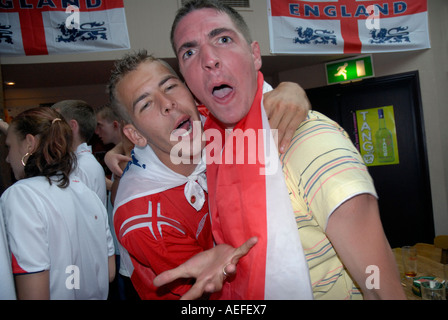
(404, 188)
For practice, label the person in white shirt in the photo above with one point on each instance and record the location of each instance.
(7, 290)
(81, 118)
(57, 228)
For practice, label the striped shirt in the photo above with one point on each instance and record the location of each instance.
(322, 170)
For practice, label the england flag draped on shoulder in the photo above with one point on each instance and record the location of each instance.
(42, 27)
(347, 26)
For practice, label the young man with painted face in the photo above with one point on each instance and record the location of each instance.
(332, 195)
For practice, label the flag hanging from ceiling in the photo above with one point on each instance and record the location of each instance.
(347, 26)
(42, 27)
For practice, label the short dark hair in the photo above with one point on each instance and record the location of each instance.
(194, 5)
(80, 111)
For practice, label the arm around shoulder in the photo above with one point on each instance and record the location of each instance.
(286, 107)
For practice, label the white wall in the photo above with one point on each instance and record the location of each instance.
(22, 99)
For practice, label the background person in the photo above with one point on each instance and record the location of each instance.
(82, 120)
(57, 227)
(110, 130)
(7, 289)
(5, 171)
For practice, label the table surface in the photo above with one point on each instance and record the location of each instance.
(428, 265)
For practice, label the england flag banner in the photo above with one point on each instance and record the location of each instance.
(42, 27)
(347, 26)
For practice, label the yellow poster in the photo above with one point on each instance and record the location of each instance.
(377, 136)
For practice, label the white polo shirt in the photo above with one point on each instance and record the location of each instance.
(65, 231)
(7, 290)
(90, 171)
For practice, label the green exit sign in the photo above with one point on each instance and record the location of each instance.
(349, 69)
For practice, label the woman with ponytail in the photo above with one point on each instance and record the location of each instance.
(57, 228)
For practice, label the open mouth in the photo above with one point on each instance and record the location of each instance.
(222, 91)
(184, 128)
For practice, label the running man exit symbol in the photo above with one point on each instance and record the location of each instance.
(342, 71)
(349, 69)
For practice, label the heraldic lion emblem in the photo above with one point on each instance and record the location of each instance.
(86, 31)
(5, 34)
(311, 36)
(393, 35)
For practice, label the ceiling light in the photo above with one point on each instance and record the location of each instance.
(10, 83)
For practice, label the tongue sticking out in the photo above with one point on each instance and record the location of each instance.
(222, 91)
(183, 129)
(184, 125)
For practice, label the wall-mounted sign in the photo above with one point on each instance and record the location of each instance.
(349, 69)
(60, 27)
(377, 136)
(347, 26)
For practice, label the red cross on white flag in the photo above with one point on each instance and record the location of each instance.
(41, 27)
(347, 26)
